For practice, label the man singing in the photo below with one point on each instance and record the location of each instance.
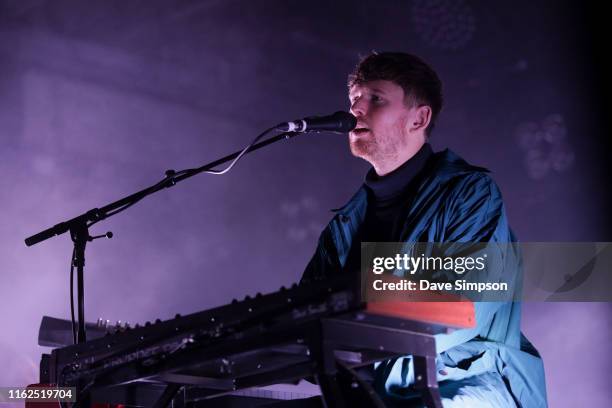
(412, 194)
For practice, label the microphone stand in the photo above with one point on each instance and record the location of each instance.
(79, 225)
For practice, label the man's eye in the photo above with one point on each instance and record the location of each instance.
(376, 98)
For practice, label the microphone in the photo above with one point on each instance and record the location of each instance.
(339, 122)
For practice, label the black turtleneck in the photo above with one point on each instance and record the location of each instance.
(389, 200)
(389, 196)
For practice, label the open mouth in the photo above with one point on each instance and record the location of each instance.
(360, 130)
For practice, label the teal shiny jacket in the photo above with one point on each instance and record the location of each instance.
(454, 202)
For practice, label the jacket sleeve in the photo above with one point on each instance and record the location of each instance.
(323, 262)
(476, 218)
(472, 212)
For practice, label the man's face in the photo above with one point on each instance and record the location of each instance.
(382, 130)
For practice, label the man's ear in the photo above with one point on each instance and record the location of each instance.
(422, 118)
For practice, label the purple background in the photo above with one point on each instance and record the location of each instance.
(97, 99)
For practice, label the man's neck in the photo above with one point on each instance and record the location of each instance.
(390, 186)
(388, 166)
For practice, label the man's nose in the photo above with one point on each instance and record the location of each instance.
(358, 108)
